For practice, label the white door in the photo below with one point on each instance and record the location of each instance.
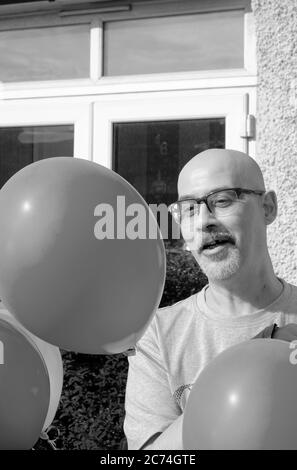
(147, 138)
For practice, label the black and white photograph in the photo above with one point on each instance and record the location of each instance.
(148, 228)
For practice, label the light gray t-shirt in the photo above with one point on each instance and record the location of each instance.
(179, 342)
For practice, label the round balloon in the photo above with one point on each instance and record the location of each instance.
(246, 398)
(24, 390)
(82, 261)
(52, 359)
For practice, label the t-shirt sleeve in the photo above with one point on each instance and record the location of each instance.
(149, 405)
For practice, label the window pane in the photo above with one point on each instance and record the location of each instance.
(20, 146)
(171, 44)
(45, 54)
(150, 155)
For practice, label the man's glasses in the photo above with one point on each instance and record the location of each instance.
(220, 203)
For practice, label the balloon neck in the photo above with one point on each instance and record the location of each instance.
(130, 352)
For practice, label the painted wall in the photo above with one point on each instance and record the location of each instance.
(276, 32)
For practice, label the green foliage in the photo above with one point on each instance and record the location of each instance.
(91, 410)
(183, 277)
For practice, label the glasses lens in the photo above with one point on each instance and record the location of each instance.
(187, 208)
(175, 212)
(223, 202)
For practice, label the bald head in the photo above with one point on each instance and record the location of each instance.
(216, 168)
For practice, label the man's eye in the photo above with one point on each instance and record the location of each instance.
(222, 202)
(188, 209)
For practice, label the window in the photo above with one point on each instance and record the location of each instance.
(20, 146)
(45, 53)
(150, 154)
(193, 42)
(140, 41)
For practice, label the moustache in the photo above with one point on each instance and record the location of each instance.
(214, 238)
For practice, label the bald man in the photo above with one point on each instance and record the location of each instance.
(223, 211)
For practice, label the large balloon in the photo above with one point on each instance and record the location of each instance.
(24, 390)
(67, 281)
(52, 359)
(246, 398)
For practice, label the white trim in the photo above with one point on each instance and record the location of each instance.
(105, 86)
(96, 44)
(250, 53)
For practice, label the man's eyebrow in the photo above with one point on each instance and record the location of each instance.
(194, 196)
(188, 196)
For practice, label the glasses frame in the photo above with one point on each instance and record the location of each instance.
(204, 199)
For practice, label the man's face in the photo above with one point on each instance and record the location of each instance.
(223, 244)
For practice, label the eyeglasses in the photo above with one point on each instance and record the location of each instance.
(221, 202)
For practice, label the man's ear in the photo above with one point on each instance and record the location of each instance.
(270, 206)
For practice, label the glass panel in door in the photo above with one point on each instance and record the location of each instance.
(150, 156)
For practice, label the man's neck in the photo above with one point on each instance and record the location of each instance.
(236, 298)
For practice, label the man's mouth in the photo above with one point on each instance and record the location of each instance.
(215, 242)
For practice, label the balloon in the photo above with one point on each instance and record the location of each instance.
(246, 398)
(52, 359)
(54, 363)
(59, 276)
(24, 390)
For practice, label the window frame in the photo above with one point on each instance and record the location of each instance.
(97, 83)
(54, 81)
(249, 51)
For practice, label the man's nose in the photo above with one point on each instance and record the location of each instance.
(206, 217)
(198, 225)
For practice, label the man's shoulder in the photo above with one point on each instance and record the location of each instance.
(290, 298)
(292, 286)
